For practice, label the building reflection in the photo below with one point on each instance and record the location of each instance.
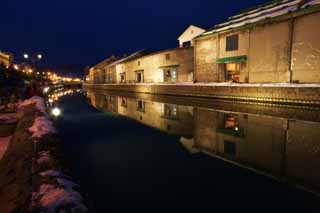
(285, 149)
(169, 118)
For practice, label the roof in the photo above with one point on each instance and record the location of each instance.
(191, 26)
(132, 56)
(105, 62)
(262, 12)
(5, 54)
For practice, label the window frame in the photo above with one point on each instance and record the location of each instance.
(232, 42)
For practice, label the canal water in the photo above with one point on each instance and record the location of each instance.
(198, 153)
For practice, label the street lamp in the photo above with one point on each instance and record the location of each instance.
(26, 56)
(39, 56)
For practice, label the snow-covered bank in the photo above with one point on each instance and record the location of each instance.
(35, 100)
(4, 142)
(36, 151)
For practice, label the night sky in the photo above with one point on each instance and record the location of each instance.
(84, 32)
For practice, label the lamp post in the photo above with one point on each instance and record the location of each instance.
(33, 59)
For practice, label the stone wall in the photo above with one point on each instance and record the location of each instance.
(205, 55)
(271, 95)
(277, 51)
(152, 65)
(306, 49)
(269, 56)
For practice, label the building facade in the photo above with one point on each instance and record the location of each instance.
(97, 74)
(6, 59)
(168, 66)
(186, 38)
(273, 43)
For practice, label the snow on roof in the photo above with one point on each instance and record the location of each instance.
(313, 2)
(105, 62)
(132, 56)
(260, 13)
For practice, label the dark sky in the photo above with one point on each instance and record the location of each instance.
(86, 31)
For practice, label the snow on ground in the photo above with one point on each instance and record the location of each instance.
(54, 198)
(38, 101)
(44, 157)
(53, 173)
(41, 126)
(4, 142)
(8, 118)
(229, 84)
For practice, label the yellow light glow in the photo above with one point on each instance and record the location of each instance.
(16, 67)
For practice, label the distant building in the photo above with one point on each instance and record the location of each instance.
(144, 66)
(6, 59)
(277, 42)
(97, 74)
(186, 38)
(166, 66)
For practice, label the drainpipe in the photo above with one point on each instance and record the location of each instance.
(194, 62)
(290, 49)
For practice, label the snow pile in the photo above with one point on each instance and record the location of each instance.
(4, 142)
(38, 101)
(55, 198)
(8, 118)
(41, 126)
(61, 196)
(53, 173)
(44, 157)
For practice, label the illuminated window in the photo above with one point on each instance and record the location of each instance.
(233, 72)
(232, 42)
(170, 74)
(170, 111)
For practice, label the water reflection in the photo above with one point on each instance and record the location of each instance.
(274, 144)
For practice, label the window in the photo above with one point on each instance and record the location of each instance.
(138, 63)
(123, 78)
(140, 105)
(232, 42)
(167, 57)
(230, 148)
(170, 74)
(186, 44)
(232, 72)
(170, 111)
(124, 102)
(110, 99)
(139, 76)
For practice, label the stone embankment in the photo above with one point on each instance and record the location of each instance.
(289, 94)
(33, 177)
